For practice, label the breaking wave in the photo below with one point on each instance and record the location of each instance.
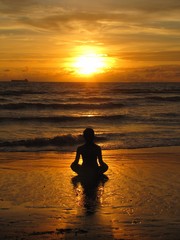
(19, 106)
(64, 140)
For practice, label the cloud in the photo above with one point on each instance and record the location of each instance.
(104, 16)
(158, 73)
(143, 5)
(161, 56)
(102, 23)
(15, 6)
(170, 73)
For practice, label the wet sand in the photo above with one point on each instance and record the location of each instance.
(41, 199)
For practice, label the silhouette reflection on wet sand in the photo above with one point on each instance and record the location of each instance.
(89, 192)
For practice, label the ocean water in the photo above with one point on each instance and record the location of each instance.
(52, 116)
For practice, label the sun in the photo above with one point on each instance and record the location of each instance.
(89, 61)
(88, 64)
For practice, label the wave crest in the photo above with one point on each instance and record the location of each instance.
(63, 140)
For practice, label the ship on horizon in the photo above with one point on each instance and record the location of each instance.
(20, 80)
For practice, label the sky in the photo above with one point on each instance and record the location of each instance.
(58, 40)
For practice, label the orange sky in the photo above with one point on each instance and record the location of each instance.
(138, 40)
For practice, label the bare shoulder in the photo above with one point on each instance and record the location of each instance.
(97, 147)
(80, 148)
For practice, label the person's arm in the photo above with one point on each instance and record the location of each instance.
(74, 165)
(76, 161)
(103, 165)
(101, 162)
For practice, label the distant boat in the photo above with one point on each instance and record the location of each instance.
(19, 80)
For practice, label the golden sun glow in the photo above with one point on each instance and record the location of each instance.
(88, 64)
(89, 61)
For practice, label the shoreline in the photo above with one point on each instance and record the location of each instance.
(167, 152)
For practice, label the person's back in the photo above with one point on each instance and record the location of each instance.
(91, 155)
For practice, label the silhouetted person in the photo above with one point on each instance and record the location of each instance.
(91, 156)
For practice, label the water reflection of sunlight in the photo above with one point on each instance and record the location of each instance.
(90, 115)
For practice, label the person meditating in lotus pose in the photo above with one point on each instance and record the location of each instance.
(91, 156)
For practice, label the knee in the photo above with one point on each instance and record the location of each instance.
(104, 168)
(75, 167)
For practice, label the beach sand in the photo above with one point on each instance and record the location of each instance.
(40, 199)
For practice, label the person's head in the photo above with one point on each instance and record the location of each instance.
(88, 135)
